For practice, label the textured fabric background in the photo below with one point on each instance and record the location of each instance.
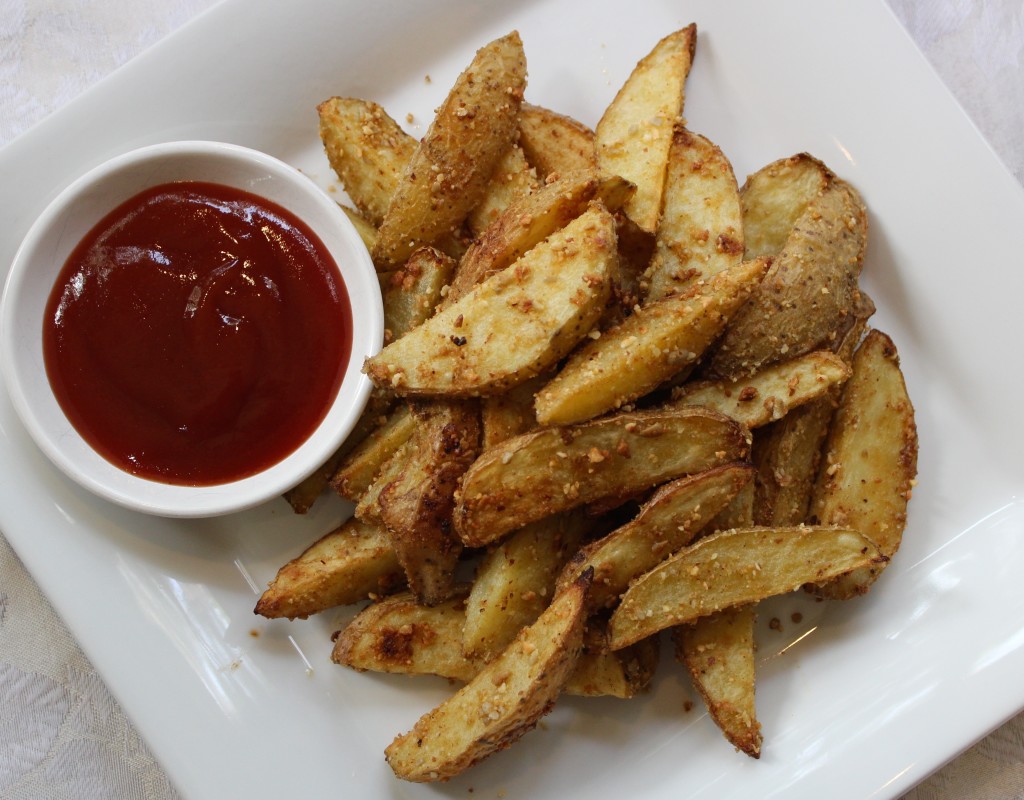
(62, 736)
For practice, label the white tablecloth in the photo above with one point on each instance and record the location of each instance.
(61, 733)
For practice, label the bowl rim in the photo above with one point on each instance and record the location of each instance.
(116, 485)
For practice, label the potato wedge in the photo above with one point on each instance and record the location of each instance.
(357, 472)
(449, 172)
(669, 520)
(399, 635)
(512, 326)
(554, 143)
(775, 197)
(416, 507)
(351, 563)
(701, 228)
(512, 178)
(550, 470)
(734, 567)
(718, 652)
(530, 220)
(647, 348)
(516, 581)
(870, 463)
(412, 292)
(809, 295)
(634, 134)
(503, 702)
(769, 393)
(367, 149)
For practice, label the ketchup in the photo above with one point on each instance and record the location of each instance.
(197, 334)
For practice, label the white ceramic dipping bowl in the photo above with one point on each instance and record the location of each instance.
(72, 215)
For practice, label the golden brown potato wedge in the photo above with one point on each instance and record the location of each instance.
(718, 652)
(513, 325)
(357, 472)
(870, 464)
(734, 567)
(449, 172)
(538, 474)
(412, 292)
(669, 520)
(769, 393)
(633, 136)
(416, 507)
(530, 220)
(516, 581)
(512, 178)
(647, 348)
(809, 295)
(399, 635)
(701, 228)
(774, 198)
(349, 564)
(367, 149)
(555, 143)
(503, 702)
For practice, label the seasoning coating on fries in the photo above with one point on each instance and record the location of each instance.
(620, 391)
(450, 169)
(734, 567)
(555, 469)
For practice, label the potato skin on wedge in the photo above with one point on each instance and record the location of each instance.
(537, 474)
(809, 295)
(503, 702)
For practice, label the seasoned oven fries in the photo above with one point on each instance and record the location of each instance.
(730, 568)
(619, 393)
(503, 701)
(448, 173)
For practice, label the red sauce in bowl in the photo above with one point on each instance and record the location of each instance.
(198, 334)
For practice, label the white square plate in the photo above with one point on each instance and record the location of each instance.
(858, 699)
